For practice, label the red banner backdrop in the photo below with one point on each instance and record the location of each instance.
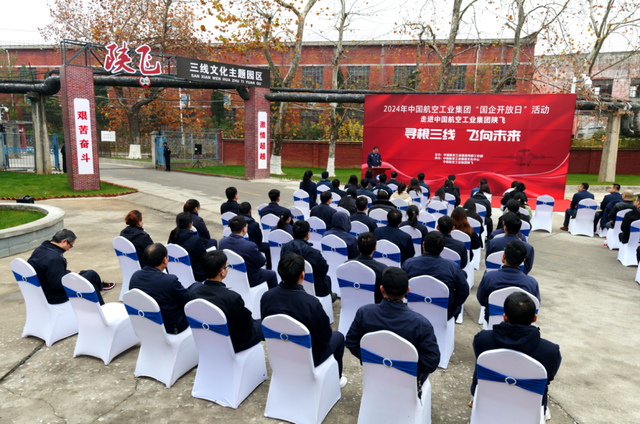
(498, 137)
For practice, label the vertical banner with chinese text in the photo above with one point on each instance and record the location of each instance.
(262, 140)
(495, 136)
(82, 113)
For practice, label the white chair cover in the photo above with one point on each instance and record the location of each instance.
(496, 305)
(387, 253)
(627, 253)
(238, 281)
(180, 265)
(358, 228)
(451, 202)
(482, 211)
(402, 205)
(226, 231)
(428, 220)
(476, 252)
(316, 389)
(357, 284)
(226, 217)
(277, 239)
(128, 260)
(613, 240)
(469, 269)
(334, 251)
(582, 224)
(393, 187)
(380, 216)
(493, 262)
(223, 376)
(390, 395)
(301, 201)
(269, 222)
(316, 232)
(375, 192)
(164, 357)
(309, 286)
(340, 209)
(262, 206)
(430, 298)
(437, 209)
(298, 214)
(416, 238)
(368, 200)
(523, 211)
(336, 199)
(502, 402)
(416, 198)
(47, 322)
(525, 230)
(453, 256)
(104, 331)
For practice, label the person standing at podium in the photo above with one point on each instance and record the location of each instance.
(374, 158)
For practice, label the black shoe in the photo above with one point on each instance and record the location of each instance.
(108, 286)
(334, 297)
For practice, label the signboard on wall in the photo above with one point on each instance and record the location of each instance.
(109, 136)
(84, 145)
(498, 137)
(263, 144)
(203, 70)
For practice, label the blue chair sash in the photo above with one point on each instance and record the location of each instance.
(593, 207)
(531, 385)
(353, 233)
(298, 217)
(443, 302)
(417, 240)
(221, 329)
(242, 267)
(300, 199)
(495, 310)
(31, 280)
(341, 250)
(225, 222)
(525, 232)
(393, 256)
(402, 208)
(634, 229)
(320, 231)
(540, 202)
(483, 214)
(183, 260)
(358, 286)
(308, 277)
(381, 221)
(467, 245)
(452, 202)
(276, 243)
(477, 230)
(133, 255)
(429, 224)
(304, 341)
(491, 265)
(269, 227)
(409, 367)
(440, 211)
(90, 296)
(619, 218)
(153, 316)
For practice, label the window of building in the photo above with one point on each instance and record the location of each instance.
(634, 89)
(358, 77)
(458, 79)
(497, 74)
(26, 73)
(310, 116)
(312, 76)
(404, 77)
(602, 87)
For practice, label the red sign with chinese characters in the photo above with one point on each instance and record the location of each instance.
(495, 136)
(120, 60)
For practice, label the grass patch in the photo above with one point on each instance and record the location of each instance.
(229, 170)
(13, 218)
(292, 173)
(14, 185)
(592, 179)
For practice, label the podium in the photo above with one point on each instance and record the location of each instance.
(377, 170)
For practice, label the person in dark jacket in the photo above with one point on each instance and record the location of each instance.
(244, 331)
(394, 315)
(382, 185)
(51, 266)
(470, 207)
(335, 188)
(361, 214)
(370, 179)
(135, 233)
(395, 235)
(310, 187)
(192, 206)
(349, 200)
(445, 226)
(253, 259)
(517, 333)
(289, 298)
(324, 181)
(231, 205)
(301, 246)
(512, 226)
(477, 189)
(629, 218)
(382, 202)
(412, 221)
(254, 231)
(614, 208)
(452, 178)
(184, 236)
(165, 289)
(583, 193)
(285, 221)
(374, 158)
(63, 152)
(512, 206)
(422, 183)
(508, 276)
(353, 182)
(323, 210)
(481, 198)
(340, 227)
(273, 207)
(519, 187)
(613, 196)
(434, 265)
(393, 180)
(449, 188)
(364, 190)
(167, 157)
(366, 246)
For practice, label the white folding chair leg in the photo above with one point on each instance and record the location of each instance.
(459, 319)
(481, 317)
(327, 306)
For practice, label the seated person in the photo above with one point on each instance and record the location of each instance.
(364, 190)
(517, 333)
(395, 235)
(165, 289)
(335, 188)
(370, 178)
(401, 193)
(301, 246)
(522, 200)
(348, 201)
(422, 183)
(583, 193)
(507, 276)
(361, 214)
(325, 181)
(412, 220)
(394, 315)
(285, 222)
(446, 226)
(324, 211)
(614, 196)
(310, 187)
(512, 206)
(231, 205)
(434, 265)
(517, 187)
(629, 218)
(353, 182)
(134, 232)
(450, 188)
(483, 197)
(460, 223)
(254, 231)
(512, 226)
(382, 185)
(253, 259)
(340, 227)
(476, 189)
(452, 178)
(393, 179)
(382, 202)
(273, 207)
(192, 206)
(289, 298)
(184, 236)
(366, 245)
(245, 332)
(51, 266)
(612, 209)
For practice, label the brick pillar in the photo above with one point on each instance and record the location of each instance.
(77, 83)
(256, 103)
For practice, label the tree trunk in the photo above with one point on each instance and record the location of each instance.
(133, 116)
(278, 138)
(333, 137)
